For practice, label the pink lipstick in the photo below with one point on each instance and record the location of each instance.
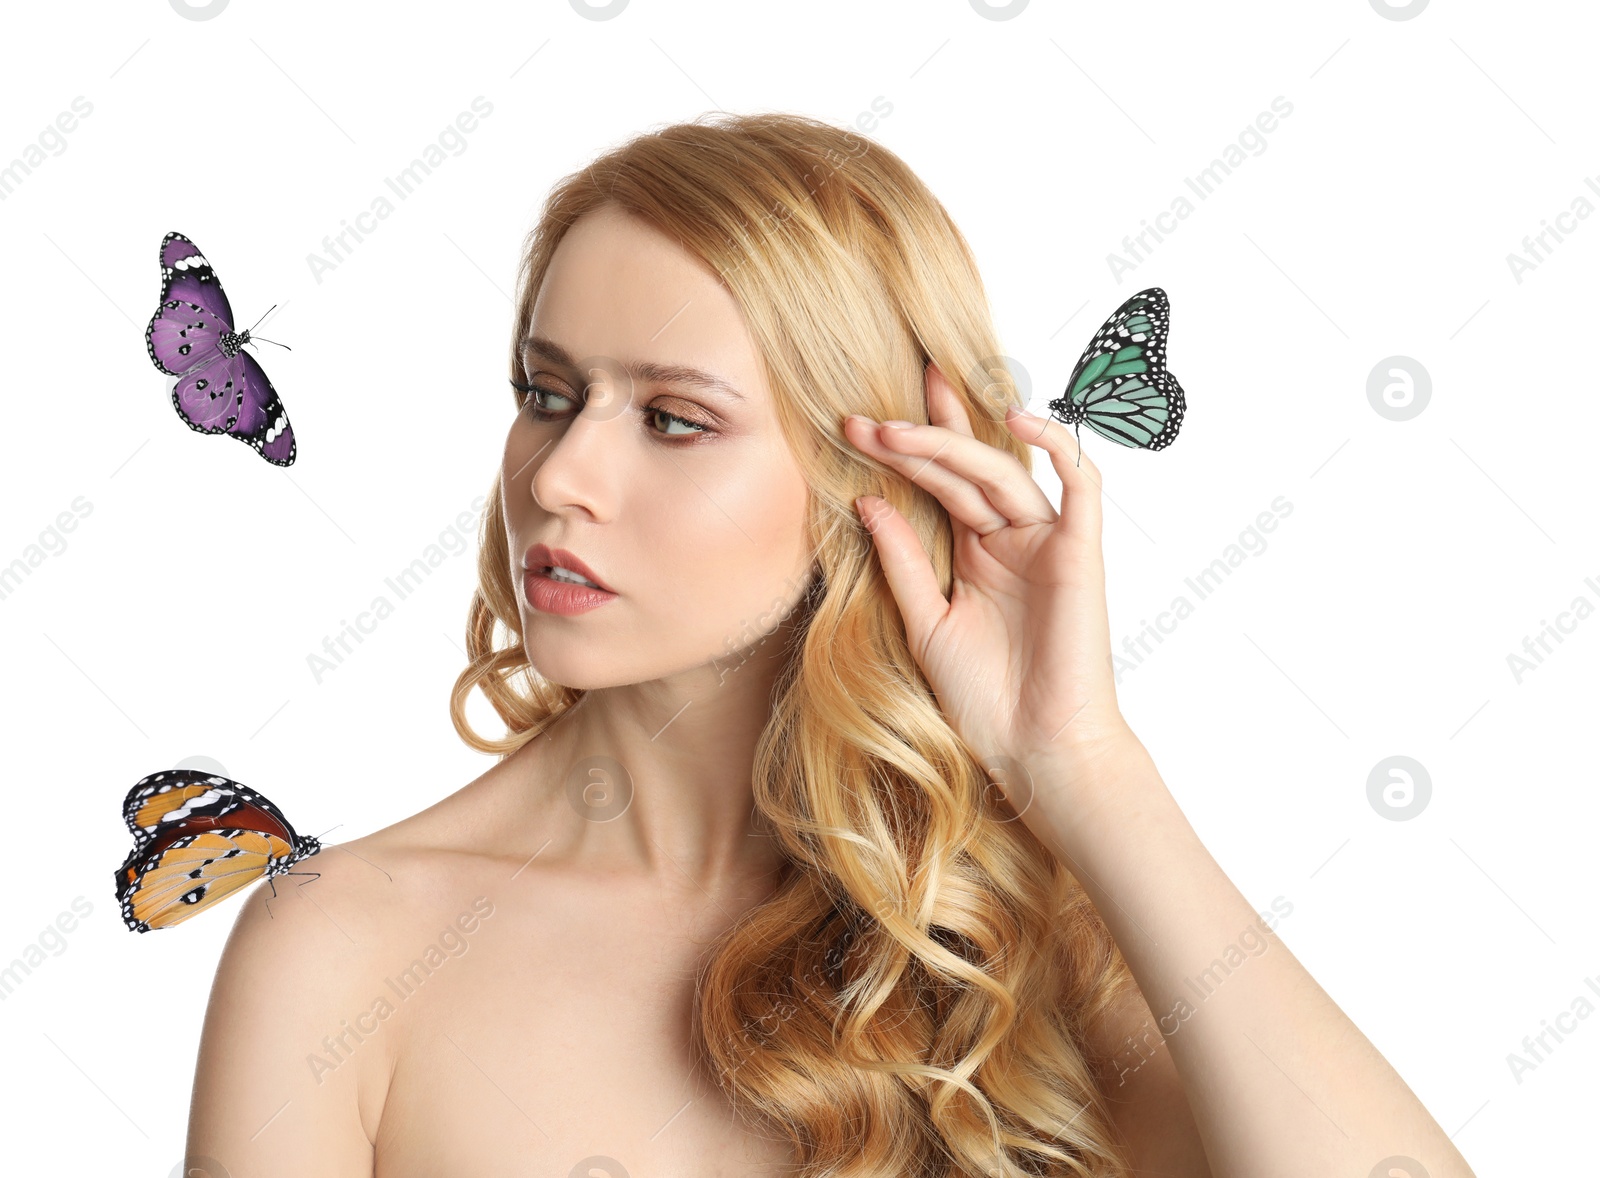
(552, 595)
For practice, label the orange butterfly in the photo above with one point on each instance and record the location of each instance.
(198, 838)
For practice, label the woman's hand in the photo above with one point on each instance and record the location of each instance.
(1020, 656)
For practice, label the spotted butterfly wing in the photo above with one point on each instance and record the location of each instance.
(1120, 386)
(157, 803)
(220, 387)
(198, 838)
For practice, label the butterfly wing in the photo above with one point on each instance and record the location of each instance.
(193, 313)
(1120, 385)
(184, 336)
(1137, 411)
(191, 873)
(162, 801)
(263, 422)
(188, 277)
(232, 395)
(215, 392)
(198, 837)
(185, 800)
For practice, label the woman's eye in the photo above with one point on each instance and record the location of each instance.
(693, 427)
(537, 404)
(536, 393)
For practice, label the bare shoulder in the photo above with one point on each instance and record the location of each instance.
(284, 1063)
(290, 971)
(380, 888)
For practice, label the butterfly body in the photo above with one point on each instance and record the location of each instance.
(1120, 386)
(232, 341)
(198, 838)
(220, 387)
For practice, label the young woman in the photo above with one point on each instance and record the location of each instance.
(817, 843)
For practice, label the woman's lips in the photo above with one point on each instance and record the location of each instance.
(547, 595)
(540, 557)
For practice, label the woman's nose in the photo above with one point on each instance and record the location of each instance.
(576, 467)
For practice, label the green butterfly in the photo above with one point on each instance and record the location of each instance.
(1121, 386)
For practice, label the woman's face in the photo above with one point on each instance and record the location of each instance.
(683, 499)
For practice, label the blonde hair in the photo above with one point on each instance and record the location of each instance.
(914, 998)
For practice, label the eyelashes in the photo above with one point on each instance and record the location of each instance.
(536, 391)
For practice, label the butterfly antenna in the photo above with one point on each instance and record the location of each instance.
(368, 862)
(258, 322)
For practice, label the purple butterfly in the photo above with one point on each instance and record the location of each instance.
(220, 387)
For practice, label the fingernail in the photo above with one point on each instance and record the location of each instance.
(1018, 411)
(898, 424)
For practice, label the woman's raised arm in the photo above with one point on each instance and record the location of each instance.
(1278, 1079)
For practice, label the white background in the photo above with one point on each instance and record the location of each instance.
(1375, 222)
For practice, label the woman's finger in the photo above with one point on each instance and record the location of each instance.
(906, 567)
(982, 485)
(945, 406)
(1080, 477)
(947, 409)
(965, 502)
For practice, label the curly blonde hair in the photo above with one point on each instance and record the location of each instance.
(914, 997)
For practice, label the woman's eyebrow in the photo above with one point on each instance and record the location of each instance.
(644, 371)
